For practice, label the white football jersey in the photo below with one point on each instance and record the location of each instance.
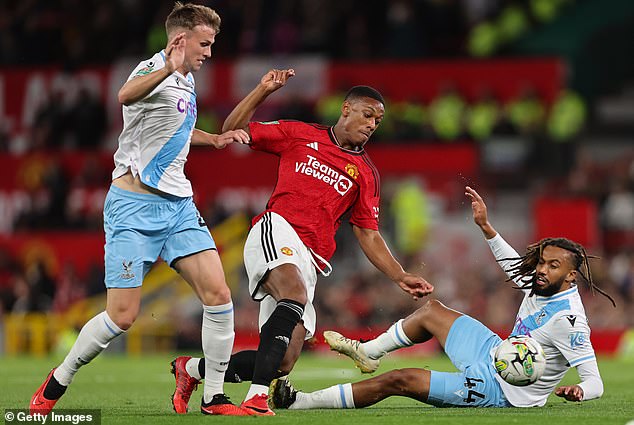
(157, 131)
(557, 322)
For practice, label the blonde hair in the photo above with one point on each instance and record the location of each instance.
(190, 15)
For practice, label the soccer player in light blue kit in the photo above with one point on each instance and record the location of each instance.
(551, 312)
(149, 210)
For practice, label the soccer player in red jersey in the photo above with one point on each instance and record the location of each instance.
(323, 173)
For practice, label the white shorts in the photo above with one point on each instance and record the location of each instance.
(271, 243)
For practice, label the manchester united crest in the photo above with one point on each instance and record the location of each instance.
(352, 171)
(287, 251)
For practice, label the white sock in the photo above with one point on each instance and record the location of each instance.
(93, 338)
(255, 389)
(217, 338)
(390, 340)
(192, 368)
(335, 397)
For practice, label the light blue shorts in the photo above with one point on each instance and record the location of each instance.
(468, 346)
(141, 227)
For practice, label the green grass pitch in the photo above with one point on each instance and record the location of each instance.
(132, 390)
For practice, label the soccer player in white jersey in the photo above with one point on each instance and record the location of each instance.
(551, 312)
(149, 210)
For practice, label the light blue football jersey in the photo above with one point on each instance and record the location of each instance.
(157, 131)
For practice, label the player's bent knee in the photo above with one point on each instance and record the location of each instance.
(123, 321)
(433, 305)
(122, 314)
(215, 294)
(430, 309)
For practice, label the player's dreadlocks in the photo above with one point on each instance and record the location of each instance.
(524, 269)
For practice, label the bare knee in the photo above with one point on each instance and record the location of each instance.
(123, 318)
(417, 323)
(428, 310)
(215, 294)
(433, 319)
(432, 306)
(427, 322)
(122, 305)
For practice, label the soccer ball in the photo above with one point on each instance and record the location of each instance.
(520, 360)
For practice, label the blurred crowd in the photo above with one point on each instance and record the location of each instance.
(80, 121)
(76, 34)
(73, 32)
(32, 287)
(450, 116)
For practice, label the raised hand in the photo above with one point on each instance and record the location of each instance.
(478, 207)
(480, 215)
(275, 79)
(175, 52)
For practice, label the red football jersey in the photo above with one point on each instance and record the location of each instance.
(318, 181)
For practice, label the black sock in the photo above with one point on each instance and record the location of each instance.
(274, 339)
(201, 368)
(240, 367)
(54, 389)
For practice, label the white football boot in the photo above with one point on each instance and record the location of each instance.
(353, 349)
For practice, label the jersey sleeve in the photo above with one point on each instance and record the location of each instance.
(272, 136)
(506, 256)
(591, 382)
(147, 67)
(365, 212)
(571, 335)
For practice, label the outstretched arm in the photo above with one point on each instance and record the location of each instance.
(219, 141)
(139, 87)
(377, 251)
(242, 113)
